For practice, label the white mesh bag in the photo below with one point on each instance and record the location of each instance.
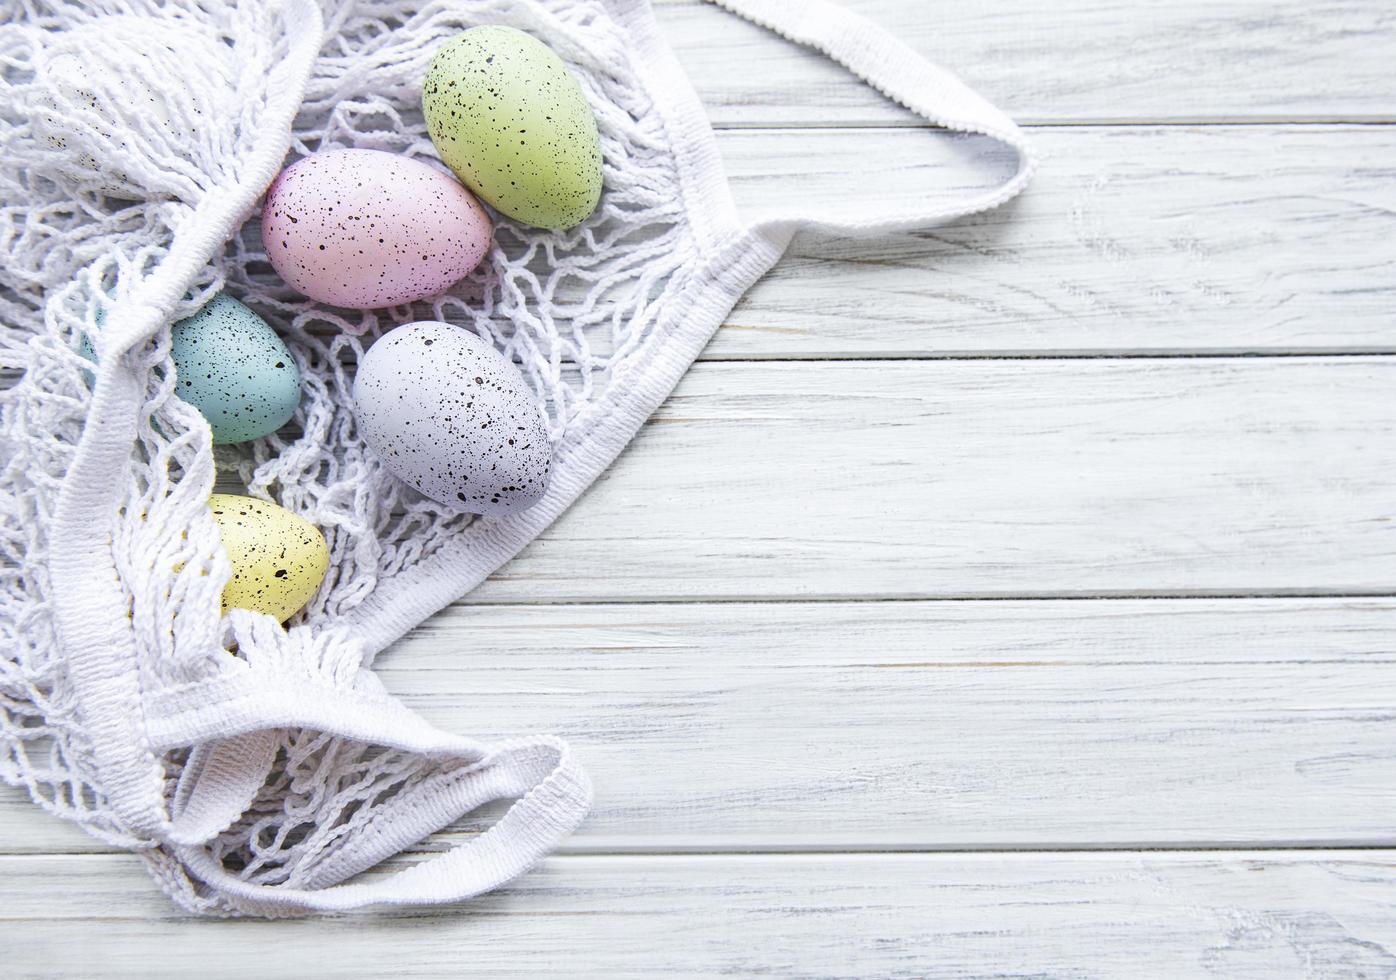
(258, 769)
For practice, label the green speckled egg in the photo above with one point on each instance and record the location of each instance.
(231, 366)
(278, 558)
(507, 117)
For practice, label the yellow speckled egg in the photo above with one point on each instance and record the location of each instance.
(278, 559)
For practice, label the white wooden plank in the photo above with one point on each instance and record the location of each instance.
(1238, 916)
(990, 478)
(933, 725)
(1076, 60)
(1130, 240)
(911, 726)
(26, 829)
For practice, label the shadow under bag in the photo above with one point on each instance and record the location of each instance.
(256, 768)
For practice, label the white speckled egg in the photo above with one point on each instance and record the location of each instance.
(279, 559)
(453, 418)
(367, 229)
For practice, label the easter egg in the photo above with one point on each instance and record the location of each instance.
(278, 559)
(231, 366)
(506, 116)
(366, 229)
(453, 418)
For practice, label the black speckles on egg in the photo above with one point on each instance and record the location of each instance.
(506, 116)
(232, 367)
(453, 418)
(278, 559)
(366, 229)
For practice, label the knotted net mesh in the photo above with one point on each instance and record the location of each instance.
(122, 123)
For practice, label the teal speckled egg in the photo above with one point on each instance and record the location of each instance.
(515, 127)
(232, 367)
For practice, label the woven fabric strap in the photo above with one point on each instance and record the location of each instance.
(553, 792)
(889, 66)
(258, 768)
(552, 796)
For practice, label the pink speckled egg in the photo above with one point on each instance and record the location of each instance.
(365, 228)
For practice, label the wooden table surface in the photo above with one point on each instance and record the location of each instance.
(1014, 598)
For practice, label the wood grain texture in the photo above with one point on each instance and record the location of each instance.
(949, 743)
(990, 478)
(1073, 61)
(925, 725)
(1130, 240)
(1244, 916)
(1152, 240)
